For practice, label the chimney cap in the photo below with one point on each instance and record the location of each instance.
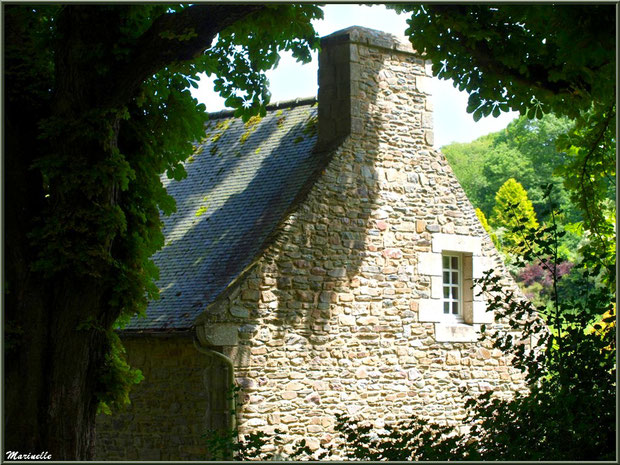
(371, 37)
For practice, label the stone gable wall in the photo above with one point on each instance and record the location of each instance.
(328, 321)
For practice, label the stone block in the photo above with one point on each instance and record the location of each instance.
(429, 310)
(407, 226)
(480, 313)
(392, 253)
(313, 443)
(453, 358)
(368, 320)
(293, 386)
(427, 120)
(422, 84)
(413, 374)
(217, 335)
(428, 67)
(429, 264)
(429, 137)
(480, 265)
(436, 287)
(239, 311)
(251, 295)
(305, 296)
(268, 296)
(337, 273)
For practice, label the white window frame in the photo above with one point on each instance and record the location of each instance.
(451, 316)
(473, 311)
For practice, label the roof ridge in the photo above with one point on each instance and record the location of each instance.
(271, 106)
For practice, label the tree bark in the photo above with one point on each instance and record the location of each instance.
(52, 366)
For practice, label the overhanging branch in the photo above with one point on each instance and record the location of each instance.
(160, 46)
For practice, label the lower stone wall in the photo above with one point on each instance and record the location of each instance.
(166, 418)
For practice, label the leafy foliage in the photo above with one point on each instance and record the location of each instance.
(520, 57)
(537, 282)
(251, 46)
(570, 372)
(116, 378)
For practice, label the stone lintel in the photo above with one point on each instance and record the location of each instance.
(456, 243)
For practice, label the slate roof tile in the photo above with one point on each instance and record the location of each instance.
(240, 182)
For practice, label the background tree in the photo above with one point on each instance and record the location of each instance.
(485, 224)
(513, 208)
(467, 160)
(96, 108)
(525, 151)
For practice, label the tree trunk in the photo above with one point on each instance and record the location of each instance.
(52, 368)
(53, 361)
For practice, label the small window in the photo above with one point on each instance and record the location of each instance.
(452, 266)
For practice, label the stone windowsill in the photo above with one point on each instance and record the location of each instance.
(456, 332)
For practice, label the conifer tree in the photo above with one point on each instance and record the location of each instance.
(513, 211)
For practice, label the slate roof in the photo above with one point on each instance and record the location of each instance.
(240, 182)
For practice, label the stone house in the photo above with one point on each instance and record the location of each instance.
(323, 258)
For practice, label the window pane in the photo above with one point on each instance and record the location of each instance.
(455, 308)
(446, 277)
(455, 293)
(455, 277)
(446, 262)
(446, 307)
(446, 292)
(455, 263)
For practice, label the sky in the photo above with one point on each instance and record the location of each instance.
(291, 80)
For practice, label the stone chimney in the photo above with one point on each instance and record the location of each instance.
(355, 66)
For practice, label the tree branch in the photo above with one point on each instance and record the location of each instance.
(159, 46)
(535, 76)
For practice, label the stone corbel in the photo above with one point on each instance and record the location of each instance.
(212, 334)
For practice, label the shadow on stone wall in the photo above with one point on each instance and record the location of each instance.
(300, 299)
